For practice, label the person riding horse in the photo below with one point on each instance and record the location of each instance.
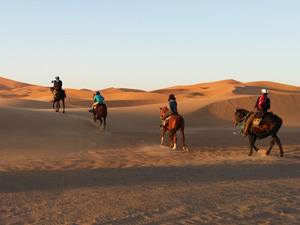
(98, 101)
(262, 104)
(57, 87)
(172, 111)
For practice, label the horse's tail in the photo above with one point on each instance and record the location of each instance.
(275, 129)
(178, 124)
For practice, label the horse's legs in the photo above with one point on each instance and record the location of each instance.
(104, 122)
(63, 101)
(101, 121)
(183, 139)
(174, 139)
(271, 144)
(57, 106)
(254, 140)
(279, 144)
(251, 141)
(162, 136)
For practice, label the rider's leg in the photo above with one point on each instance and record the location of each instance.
(248, 123)
(165, 120)
(93, 106)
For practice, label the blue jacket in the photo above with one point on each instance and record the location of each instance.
(98, 98)
(173, 107)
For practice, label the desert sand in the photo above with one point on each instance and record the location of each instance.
(60, 168)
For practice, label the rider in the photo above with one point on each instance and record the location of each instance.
(172, 110)
(262, 104)
(57, 86)
(98, 100)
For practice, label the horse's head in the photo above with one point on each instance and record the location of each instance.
(163, 112)
(240, 114)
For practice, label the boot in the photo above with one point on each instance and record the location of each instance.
(244, 133)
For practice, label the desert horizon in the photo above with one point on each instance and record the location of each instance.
(64, 169)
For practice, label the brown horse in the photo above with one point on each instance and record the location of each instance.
(59, 96)
(100, 113)
(176, 122)
(269, 125)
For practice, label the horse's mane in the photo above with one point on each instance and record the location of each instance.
(242, 110)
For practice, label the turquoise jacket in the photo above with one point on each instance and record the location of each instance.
(98, 98)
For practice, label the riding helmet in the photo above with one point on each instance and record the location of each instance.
(57, 78)
(264, 91)
(97, 92)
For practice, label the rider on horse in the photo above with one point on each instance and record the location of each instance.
(57, 87)
(172, 111)
(98, 100)
(262, 104)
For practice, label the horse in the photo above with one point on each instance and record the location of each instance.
(176, 122)
(59, 96)
(269, 125)
(100, 113)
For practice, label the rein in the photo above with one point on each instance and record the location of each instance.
(241, 122)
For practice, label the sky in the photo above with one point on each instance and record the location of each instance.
(149, 44)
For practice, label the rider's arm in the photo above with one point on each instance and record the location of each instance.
(268, 104)
(256, 103)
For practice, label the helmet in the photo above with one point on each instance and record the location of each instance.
(57, 78)
(264, 91)
(97, 92)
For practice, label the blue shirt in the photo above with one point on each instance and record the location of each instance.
(98, 98)
(173, 107)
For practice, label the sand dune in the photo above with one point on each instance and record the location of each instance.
(60, 168)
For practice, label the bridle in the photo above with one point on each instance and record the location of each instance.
(241, 122)
(163, 111)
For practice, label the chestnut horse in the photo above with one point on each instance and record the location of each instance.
(100, 114)
(269, 125)
(60, 96)
(176, 122)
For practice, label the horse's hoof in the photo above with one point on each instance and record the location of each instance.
(185, 149)
(249, 155)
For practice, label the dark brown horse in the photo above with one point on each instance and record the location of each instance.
(269, 125)
(59, 96)
(100, 114)
(176, 122)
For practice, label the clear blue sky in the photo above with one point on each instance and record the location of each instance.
(149, 44)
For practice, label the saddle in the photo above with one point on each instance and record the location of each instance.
(99, 105)
(63, 93)
(59, 93)
(166, 121)
(258, 118)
